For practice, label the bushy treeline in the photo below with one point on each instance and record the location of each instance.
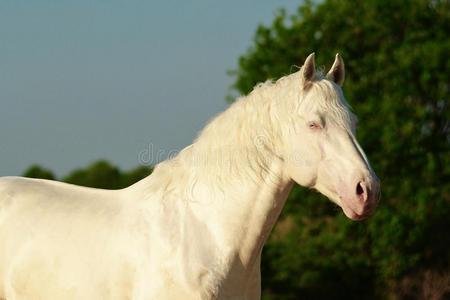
(397, 57)
(99, 174)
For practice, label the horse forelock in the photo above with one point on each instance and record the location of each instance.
(322, 96)
(327, 98)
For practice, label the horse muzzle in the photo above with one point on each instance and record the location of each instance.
(360, 202)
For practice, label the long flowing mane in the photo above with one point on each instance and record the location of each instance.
(242, 141)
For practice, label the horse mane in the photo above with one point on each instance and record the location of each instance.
(242, 141)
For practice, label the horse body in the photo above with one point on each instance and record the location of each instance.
(195, 228)
(130, 244)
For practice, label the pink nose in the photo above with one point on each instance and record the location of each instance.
(361, 191)
(360, 202)
(368, 192)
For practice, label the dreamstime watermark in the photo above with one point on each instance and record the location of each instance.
(258, 152)
(150, 156)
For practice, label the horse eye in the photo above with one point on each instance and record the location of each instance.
(313, 125)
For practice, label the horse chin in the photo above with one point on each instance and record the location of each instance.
(348, 211)
(351, 214)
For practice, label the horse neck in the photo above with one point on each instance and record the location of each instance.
(235, 170)
(231, 179)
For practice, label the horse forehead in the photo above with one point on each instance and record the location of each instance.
(325, 99)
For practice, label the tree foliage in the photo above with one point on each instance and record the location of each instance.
(99, 174)
(397, 81)
(36, 171)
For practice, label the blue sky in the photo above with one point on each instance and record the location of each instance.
(126, 81)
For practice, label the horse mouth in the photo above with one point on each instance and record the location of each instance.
(352, 214)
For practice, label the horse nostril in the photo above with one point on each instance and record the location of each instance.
(359, 189)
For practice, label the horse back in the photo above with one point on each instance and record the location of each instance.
(55, 237)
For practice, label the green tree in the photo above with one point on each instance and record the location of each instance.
(397, 81)
(101, 174)
(36, 171)
(128, 178)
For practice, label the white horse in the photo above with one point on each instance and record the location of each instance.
(195, 228)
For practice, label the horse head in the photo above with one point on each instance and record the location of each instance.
(320, 142)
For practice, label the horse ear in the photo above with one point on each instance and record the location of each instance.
(308, 71)
(337, 71)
